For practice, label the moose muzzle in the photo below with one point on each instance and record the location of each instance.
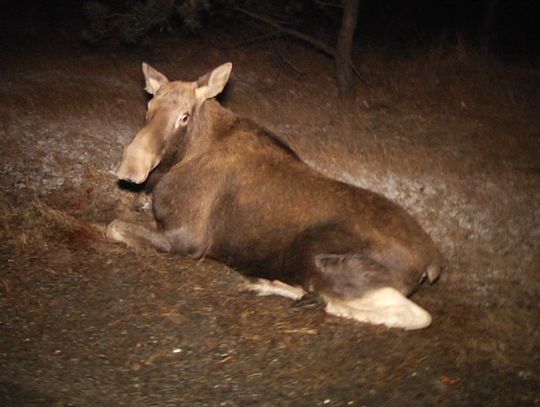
(139, 158)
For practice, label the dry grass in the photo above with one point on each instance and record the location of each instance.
(453, 79)
(35, 227)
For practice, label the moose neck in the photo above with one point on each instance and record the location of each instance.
(211, 122)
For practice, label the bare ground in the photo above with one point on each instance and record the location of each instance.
(449, 135)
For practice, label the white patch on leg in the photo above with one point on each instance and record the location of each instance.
(275, 287)
(385, 306)
(114, 231)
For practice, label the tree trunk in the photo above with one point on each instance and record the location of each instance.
(344, 67)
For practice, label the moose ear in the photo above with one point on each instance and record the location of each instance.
(211, 84)
(154, 79)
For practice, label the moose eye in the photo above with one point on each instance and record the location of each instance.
(182, 120)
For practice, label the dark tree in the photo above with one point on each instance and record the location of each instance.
(131, 21)
(344, 66)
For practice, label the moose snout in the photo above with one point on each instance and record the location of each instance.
(136, 164)
(128, 178)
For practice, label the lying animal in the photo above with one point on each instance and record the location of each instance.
(225, 188)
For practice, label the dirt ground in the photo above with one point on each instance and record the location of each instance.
(451, 136)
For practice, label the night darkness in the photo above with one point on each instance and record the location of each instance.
(510, 28)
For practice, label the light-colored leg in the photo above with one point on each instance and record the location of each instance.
(262, 286)
(385, 306)
(137, 236)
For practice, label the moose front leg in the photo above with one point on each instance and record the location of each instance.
(138, 236)
(178, 240)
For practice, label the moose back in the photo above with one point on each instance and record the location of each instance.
(225, 188)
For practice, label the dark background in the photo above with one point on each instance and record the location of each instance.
(512, 33)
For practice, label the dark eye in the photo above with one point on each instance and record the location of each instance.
(182, 120)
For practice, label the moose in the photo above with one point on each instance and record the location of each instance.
(225, 188)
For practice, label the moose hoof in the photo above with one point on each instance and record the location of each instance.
(310, 300)
(385, 306)
(116, 231)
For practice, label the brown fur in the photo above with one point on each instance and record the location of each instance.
(232, 191)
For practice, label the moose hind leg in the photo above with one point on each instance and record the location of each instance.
(138, 236)
(383, 306)
(263, 287)
(355, 286)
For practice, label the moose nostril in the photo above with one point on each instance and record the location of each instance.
(126, 178)
(123, 177)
